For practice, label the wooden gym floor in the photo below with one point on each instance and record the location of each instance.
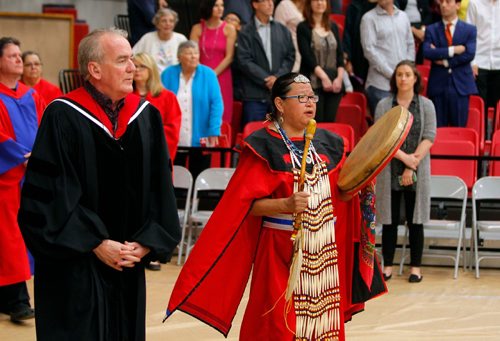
(438, 308)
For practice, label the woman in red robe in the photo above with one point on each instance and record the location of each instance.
(32, 76)
(331, 283)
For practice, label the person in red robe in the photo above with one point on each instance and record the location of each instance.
(20, 113)
(32, 76)
(147, 84)
(338, 272)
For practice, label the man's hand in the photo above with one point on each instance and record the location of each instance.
(131, 257)
(475, 70)
(109, 252)
(459, 49)
(270, 81)
(26, 156)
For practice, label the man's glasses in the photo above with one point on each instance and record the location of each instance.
(304, 98)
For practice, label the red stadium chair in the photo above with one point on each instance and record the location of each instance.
(225, 142)
(458, 134)
(253, 126)
(353, 116)
(343, 130)
(495, 151)
(423, 90)
(475, 121)
(356, 98)
(424, 70)
(497, 118)
(464, 169)
(476, 102)
(236, 120)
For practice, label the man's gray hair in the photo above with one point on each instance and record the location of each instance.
(90, 49)
(164, 12)
(188, 44)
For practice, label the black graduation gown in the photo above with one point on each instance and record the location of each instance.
(82, 186)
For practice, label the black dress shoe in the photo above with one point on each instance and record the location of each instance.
(387, 277)
(21, 313)
(153, 266)
(415, 279)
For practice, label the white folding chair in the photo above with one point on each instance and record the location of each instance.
(448, 188)
(211, 179)
(183, 180)
(486, 188)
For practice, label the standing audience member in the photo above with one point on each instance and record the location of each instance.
(200, 99)
(140, 14)
(32, 76)
(485, 15)
(352, 37)
(451, 45)
(408, 175)
(98, 201)
(289, 13)
(216, 40)
(322, 57)
(162, 44)
(241, 7)
(419, 14)
(234, 19)
(265, 51)
(386, 39)
(20, 113)
(147, 84)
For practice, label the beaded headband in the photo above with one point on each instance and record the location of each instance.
(301, 79)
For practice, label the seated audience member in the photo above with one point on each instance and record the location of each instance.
(242, 8)
(408, 175)
(322, 57)
(32, 76)
(451, 46)
(162, 44)
(234, 19)
(264, 52)
(386, 39)
(289, 13)
(216, 40)
(200, 99)
(140, 14)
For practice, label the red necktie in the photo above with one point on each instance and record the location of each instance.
(447, 32)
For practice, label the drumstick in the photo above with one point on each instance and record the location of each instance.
(310, 130)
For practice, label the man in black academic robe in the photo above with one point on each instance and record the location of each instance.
(98, 201)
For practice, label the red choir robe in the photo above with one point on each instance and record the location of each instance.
(20, 114)
(170, 111)
(47, 90)
(212, 281)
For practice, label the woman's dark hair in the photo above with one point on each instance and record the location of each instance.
(325, 19)
(418, 84)
(206, 8)
(281, 87)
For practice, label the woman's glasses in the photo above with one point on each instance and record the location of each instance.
(304, 98)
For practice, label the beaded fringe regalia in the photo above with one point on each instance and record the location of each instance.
(316, 294)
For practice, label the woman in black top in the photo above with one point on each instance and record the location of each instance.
(322, 57)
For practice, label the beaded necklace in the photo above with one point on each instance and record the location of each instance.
(296, 154)
(203, 40)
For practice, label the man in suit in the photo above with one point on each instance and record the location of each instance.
(264, 52)
(451, 45)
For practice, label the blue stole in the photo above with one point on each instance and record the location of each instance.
(24, 119)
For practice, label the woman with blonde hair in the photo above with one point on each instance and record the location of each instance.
(147, 85)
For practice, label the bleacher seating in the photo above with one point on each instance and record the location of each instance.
(343, 130)
(352, 115)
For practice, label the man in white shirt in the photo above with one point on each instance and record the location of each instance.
(485, 15)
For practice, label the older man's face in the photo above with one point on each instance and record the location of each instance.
(11, 63)
(117, 68)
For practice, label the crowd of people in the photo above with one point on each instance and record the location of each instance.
(89, 186)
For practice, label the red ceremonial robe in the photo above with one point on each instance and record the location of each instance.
(170, 111)
(20, 113)
(47, 90)
(212, 281)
